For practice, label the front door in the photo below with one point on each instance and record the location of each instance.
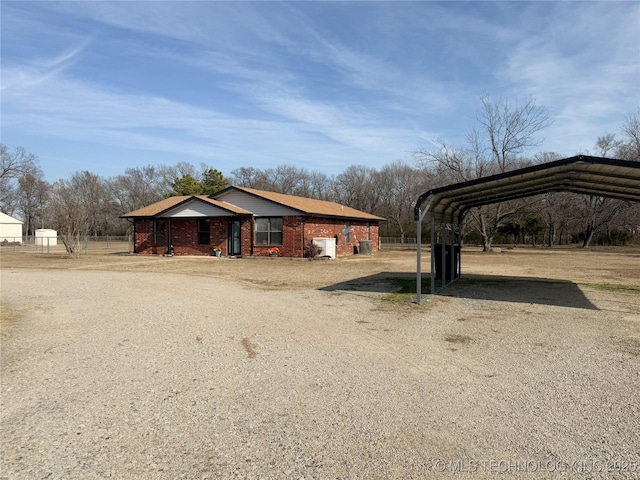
(234, 245)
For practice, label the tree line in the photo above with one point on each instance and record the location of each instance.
(498, 141)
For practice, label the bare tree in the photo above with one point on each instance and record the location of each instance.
(608, 144)
(400, 185)
(451, 164)
(69, 213)
(629, 220)
(285, 179)
(597, 212)
(249, 177)
(630, 148)
(14, 165)
(17, 163)
(357, 187)
(31, 201)
(625, 148)
(319, 185)
(310, 184)
(139, 186)
(510, 130)
(504, 133)
(95, 195)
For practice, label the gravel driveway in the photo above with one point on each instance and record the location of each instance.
(135, 373)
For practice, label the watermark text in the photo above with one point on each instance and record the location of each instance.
(532, 466)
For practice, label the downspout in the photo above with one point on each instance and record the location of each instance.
(134, 237)
(303, 238)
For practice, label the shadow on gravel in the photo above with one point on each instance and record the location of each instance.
(544, 291)
(386, 282)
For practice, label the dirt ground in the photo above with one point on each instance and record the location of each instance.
(127, 366)
(616, 266)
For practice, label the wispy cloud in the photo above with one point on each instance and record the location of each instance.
(76, 111)
(585, 71)
(40, 70)
(326, 82)
(580, 60)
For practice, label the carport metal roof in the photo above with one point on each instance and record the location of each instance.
(604, 177)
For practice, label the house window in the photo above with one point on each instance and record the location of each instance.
(160, 232)
(269, 231)
(204, 230)
(368, 231)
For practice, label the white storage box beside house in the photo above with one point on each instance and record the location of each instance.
(46, 237)
(10, 229)
(328, 246)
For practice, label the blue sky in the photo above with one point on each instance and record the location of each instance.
(103, 86)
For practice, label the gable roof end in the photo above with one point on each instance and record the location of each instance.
(6, 219)
(167, 204)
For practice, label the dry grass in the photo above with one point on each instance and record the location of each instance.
(392, 272)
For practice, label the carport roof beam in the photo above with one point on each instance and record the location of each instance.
(580, 174)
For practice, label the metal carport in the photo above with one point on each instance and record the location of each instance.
(446, 206)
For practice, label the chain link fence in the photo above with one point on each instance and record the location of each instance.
(54, 245)
(397, 243)
(124, 244)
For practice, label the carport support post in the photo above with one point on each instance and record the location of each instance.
(433, 257)
(443, 257)
(419, 260)
(419, 257)
(453, 253)
(460, 250)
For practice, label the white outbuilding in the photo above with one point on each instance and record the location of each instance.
(46, 237)
(10, 229)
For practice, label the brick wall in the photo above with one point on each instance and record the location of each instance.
(218, 234)
(143, 238)
(246, 235)
(328, 228)
(184, 236)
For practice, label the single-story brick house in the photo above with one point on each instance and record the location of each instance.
(241, 221)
